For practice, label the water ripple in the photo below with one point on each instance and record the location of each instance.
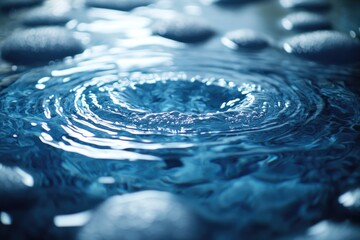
(132, 105)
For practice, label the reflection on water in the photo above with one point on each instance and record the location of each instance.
(213, 127)
(253, 140)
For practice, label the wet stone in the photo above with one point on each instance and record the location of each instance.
(309, 5)
(327, 230)
(350, 203)
(6, 5)
(324, 46)
(143, 215)
(245, 39)
(15, 187)
(40, 45)
(122, 5)
(232, 2)
(305, 21)
(183, 29)
(43, 17)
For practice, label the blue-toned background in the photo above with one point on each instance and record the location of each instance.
(163, 122)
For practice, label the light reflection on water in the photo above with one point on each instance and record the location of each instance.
(256, 135)
(112, 106)
(208, 126)
(146, 100)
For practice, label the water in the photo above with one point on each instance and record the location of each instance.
(111, 105)
(198, 129)
(254, 140)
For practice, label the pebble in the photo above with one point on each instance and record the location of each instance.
(183, 29)
(44, 17)
(143, 215)
(327, 230)
(7, 5)
(245, 39)
(309, 5)
(305, 21)
(15, 187)
(324, 46)
(350, 204)
(350, 199)
(40, 45)
(231, 2)
(122, 5)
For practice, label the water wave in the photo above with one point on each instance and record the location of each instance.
(130, 105)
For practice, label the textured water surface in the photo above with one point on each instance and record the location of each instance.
(234, 143)
(110, 105)
(235, 124)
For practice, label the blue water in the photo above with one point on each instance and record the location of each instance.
(254, 140)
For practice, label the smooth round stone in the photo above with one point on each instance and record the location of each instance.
(40, 45)
(122, 5)
(7, 5)
(324, 46)
(183, 29)
(327, 230)
(41, 17)
(143, 215)
(245, 39)
(231, 2)
(15, 187)
(310, 5)
(305, 21)
(350, 202)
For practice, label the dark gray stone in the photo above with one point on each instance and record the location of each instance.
(40, 45)
(122, 5)
(6, 5)
(324, 46)
(143, 215)
(233, 2)
(305, 21)
(183, 29)
(44, 17)
(310, 5)
(15, 187)
(245, 39)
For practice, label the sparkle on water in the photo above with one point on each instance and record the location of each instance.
(207, 125)
(252, 140)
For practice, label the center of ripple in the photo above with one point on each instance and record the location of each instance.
(185, 96)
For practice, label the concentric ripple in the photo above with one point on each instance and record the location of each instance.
(134, 105)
